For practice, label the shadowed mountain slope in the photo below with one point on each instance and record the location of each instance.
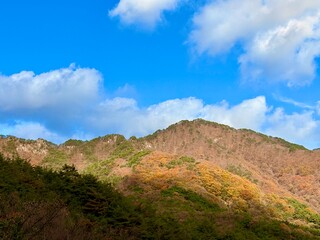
(240, 171)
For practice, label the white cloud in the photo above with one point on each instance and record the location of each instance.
(58, 98)
(300, 128)
(70, 103)
(125, 91)
(295, 103)
(248, 114)
(280, 39)
(69, 88)
(171, 111)
(124, 115)
(144, 12)
(318, 108)
(30, 130)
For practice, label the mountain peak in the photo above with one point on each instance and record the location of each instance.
(274, 164)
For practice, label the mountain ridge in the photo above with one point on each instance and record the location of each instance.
(198, 170)
(274, 164)
(285, 142)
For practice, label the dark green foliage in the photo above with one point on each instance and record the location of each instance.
(184, 160)
(265, 138)
(55, 159)
(37, 203)
(59, 195)
(133, 138)
(301, 211)
(242, 172)
(73, 142)
(101, 169)
(124, 149)
(11, 146)
(291, 146)
(199, 202)
(275, 140)
(136, 158)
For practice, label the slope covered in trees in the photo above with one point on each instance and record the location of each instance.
(193, 180)
(37, 203)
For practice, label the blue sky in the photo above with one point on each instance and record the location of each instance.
(82, 69)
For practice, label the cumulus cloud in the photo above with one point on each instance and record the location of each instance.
(58, 98)
(79, 90)
(123, 115)
(144, 12)
(30, 130)
(68, 87)
(318, 107)
(280, 39)
(126, 117)
(250, 113)
(302, 128)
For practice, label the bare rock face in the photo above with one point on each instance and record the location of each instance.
(33, 151)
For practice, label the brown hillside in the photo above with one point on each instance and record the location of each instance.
(273, 163)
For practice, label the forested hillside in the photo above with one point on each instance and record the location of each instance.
(194, 180)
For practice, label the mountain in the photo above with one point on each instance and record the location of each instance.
(200, 170)
(276, 165)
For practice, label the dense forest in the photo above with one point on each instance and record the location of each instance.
(39, 203)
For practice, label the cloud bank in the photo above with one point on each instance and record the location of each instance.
(142, 12)
(71, 103)
(67, 87)
(58, 98)
(280, 39)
